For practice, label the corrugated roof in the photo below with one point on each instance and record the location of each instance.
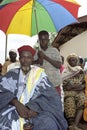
(70, 31)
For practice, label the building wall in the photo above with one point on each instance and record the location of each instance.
(76, 45)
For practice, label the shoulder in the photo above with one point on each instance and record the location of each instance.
(7, 62)
(34, 67)
(13, 72)
(53, 49)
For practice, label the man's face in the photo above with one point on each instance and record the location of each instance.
(44, 40)
(12, 56)
(25, 59)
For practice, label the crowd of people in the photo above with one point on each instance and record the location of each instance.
(37, 92)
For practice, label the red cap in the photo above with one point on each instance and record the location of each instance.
(26, 48)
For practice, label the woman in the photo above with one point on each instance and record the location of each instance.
(74, 97)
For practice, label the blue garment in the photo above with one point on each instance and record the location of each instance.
(47, 104)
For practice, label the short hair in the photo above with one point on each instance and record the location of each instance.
(43, 32)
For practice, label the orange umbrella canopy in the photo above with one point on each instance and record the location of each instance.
(31, 16)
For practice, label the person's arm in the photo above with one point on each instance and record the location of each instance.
(75, 87)
(54, 62)
(4, 68)
(22, 109)
(69, 86)
(38, 61)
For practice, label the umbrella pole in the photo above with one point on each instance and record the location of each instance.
(6, 47)
(34, 7)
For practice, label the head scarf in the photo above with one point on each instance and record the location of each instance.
(71, 71)
(72, 55)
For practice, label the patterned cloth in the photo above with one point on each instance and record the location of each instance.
(41, 97)
(85, 110)
(74, 99)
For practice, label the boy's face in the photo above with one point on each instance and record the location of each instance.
(44, 40)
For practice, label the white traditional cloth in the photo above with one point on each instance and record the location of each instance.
(13, 66)
(70, 71)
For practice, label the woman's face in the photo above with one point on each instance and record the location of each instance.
(73, 61)
(26, 59)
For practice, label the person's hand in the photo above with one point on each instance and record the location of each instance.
(25, 112)
(21, 109)
(32, 113)
(41, 54)
(40, 61)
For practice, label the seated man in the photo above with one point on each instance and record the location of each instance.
(26, 94)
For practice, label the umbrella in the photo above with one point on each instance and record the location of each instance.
(31, 16)
(4, 2)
